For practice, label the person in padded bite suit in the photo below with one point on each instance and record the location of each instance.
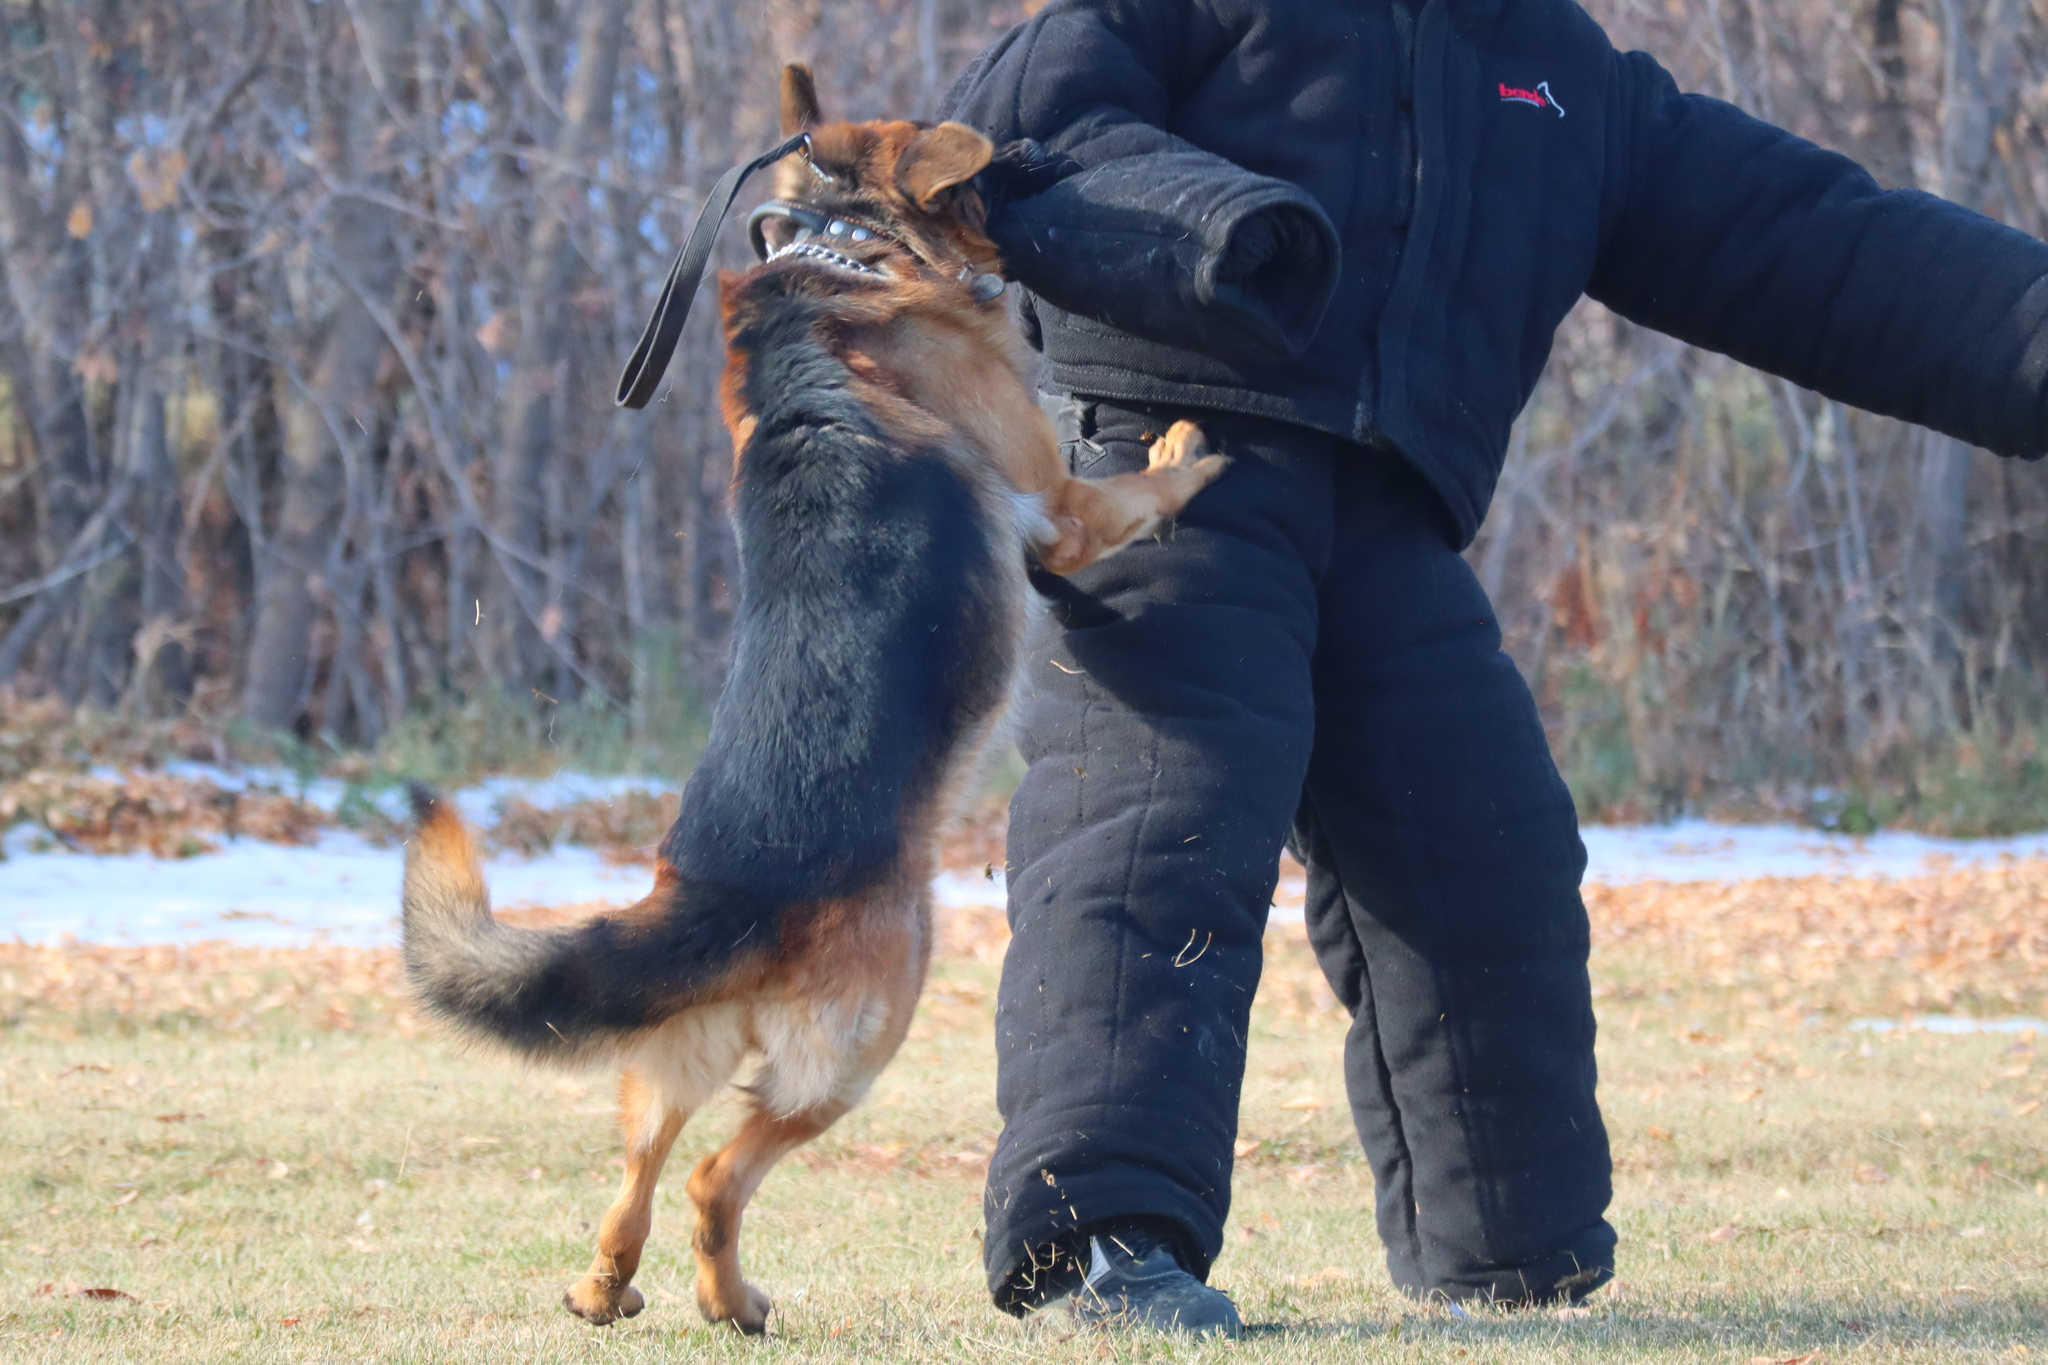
(1340, 236)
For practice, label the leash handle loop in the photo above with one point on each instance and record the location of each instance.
(657, 345)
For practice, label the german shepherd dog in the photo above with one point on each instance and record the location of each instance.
(893, 473)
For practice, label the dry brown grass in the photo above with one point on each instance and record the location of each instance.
(256, 1175)
(263, 1154)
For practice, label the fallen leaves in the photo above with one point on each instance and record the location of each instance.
(100, 1293)
(170, 817)
(1919, 943)
(1870, 1173)
(228, 985)
(1810, 1358)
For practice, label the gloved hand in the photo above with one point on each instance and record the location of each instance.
(1019, 170)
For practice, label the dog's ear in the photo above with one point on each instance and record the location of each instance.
(799, 100)
(938, 159)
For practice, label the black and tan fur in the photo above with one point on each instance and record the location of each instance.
(893, 471)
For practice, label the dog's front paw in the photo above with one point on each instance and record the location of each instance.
(601, 1300)
(1181, 446)
(747, 1310)
(1185, 449)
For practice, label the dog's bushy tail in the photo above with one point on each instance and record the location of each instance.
(565, 995)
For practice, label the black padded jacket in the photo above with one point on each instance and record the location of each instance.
(1369, 217)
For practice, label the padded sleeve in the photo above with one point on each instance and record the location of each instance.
(1737, 236)
(1151, 235)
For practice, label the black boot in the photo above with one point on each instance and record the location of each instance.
(1134, 1281)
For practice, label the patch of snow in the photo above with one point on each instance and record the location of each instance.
(1949, 1023)
(343, 890)
(339, 890)
(1696, 851)
(970, 891)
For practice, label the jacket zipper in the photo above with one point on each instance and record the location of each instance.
(1404, 114)
(1426, 146)
(1405, 18)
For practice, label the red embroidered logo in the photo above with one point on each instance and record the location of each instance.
(1540, 96)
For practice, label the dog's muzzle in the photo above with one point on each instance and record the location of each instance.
(781, 229)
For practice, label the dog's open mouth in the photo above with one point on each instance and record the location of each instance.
(825, 255)
(782, 230)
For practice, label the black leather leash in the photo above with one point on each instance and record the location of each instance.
(649, 361)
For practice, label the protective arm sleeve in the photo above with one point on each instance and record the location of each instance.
(1151, 235)
(1734, 235)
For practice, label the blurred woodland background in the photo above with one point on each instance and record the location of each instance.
(313, 308)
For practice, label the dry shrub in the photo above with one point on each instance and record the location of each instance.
(48, 733)
(170, 817)
(626, 827)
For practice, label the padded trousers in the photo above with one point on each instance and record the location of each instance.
(1304, 659)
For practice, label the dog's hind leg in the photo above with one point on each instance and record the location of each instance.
(606, 1293)
(819, 1056)
(672, 1074)
(1096, 517)
(721, 1187)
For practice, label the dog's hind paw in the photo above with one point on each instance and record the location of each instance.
(747, 1311)
(601, 1300)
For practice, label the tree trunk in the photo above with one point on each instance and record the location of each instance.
(527, 605)
(336, 404)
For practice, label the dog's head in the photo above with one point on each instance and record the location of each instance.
(883, 200)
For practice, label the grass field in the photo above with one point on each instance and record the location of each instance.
(268, 1159)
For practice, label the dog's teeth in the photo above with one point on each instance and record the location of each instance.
(814, 251)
